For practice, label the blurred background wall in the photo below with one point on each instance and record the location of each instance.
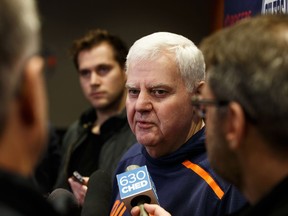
(65, 20)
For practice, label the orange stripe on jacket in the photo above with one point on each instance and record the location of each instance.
(118, 208)
(206, 176)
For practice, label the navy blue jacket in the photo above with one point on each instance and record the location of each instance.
(184, 180)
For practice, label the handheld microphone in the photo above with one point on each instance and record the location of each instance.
(98, 195)
(136, 188)
(64, 202)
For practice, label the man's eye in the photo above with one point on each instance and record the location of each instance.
(159, 92)
(84, 73)
(103, 70)
(133, 92)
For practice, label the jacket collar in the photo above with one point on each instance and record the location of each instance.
(195, 146)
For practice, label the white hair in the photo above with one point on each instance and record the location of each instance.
(188, 57)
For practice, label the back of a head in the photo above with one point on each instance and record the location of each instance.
(188, 57)
(248, 63)
(19, 36)
(96, 37)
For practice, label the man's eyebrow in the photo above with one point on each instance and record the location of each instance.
(130, 85)
(96, 66)
(158, 85)
(103, 65)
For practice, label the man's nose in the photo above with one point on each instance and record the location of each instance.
(143, 102)
(95, 78)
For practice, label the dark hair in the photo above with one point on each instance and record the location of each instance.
(248, 63)
(95, 37)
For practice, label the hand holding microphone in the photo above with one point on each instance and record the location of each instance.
(152, 209)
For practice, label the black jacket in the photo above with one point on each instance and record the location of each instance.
(18, 197)
(120, 139)
(275, 203)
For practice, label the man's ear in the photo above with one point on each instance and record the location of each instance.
(199, 88)
(235, 126)
(28, 93)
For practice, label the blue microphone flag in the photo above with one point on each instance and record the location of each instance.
(135, 185)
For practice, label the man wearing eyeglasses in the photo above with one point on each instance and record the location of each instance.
(164, 70)
(247, 138)
(245, 103)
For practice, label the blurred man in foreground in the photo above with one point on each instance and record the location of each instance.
(23, 125)
(247, 110)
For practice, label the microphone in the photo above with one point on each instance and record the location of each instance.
(136, 188)
(64, 202)
(98, 196)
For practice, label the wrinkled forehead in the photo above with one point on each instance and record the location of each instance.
(154, 74)
(162, 65)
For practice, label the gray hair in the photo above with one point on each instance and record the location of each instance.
(19, 36)
(188, 57)
(248, 63)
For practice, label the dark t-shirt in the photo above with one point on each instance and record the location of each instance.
(85, 158)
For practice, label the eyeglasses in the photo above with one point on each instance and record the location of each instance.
(200, 105)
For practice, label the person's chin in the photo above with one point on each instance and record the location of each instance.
(153, 151)
(99, 104)
(146, 140)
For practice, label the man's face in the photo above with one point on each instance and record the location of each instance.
(158, 105)
(221, 157)
(101, 77)
(35, 130)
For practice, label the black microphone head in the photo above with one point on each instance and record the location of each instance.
(98, 195)
(141, 199)
(64, 202)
